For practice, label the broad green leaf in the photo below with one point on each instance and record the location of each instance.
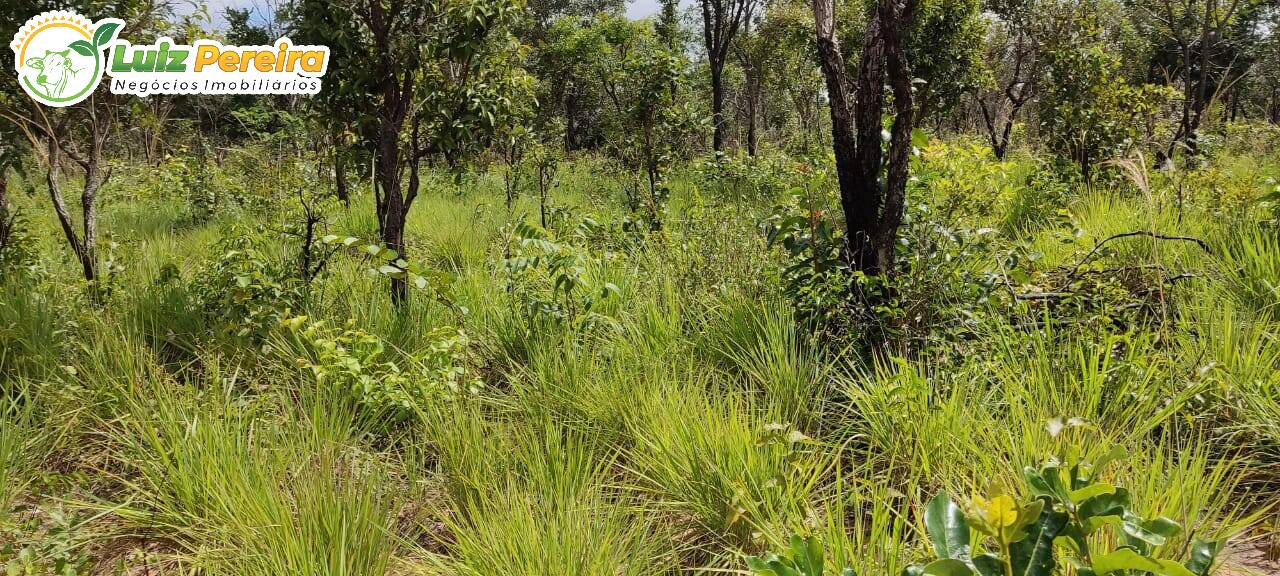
(1125, 559)
(1096, 489)
(1163, 526)
(1171, 568)
(1032, 555)
(1026, 517)
(759, 566)
(947, 567)
(1203, 553)
(1113, 504)
(1115, 454)
(989, 564)
(947, 528)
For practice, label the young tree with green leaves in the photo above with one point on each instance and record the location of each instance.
(79, 134)
(422, 80)
(1201, 44)
(1089, 113)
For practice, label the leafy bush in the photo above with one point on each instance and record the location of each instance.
(245, 291)
(358, 362)
(1058, 531)
(815, 276)
(17, 251)
(552, 277)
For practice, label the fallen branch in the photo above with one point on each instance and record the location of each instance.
(1096, 247)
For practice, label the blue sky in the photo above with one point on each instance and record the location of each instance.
(635, 8)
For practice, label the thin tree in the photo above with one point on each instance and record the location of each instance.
(80, 134)
(1011, 54)
(420, 80)
(721, 20)
(873, 212)
(1197, 27)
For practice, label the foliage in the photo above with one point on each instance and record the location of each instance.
(18, 255)
(1050, 534)
(359, 363)
(944, 49)
(816, 277)
(246, 289)
(1089, 112)
(806, 559)
(553, 276)
(1071, 503)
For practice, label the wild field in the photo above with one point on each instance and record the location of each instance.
(589, 397)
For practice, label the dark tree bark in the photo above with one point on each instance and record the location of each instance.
(721, 20)
(6, 216)
(872, 215)
(341, 188)
(395, 90)
(752, 90)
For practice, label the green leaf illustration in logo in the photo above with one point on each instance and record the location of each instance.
(82, 48)
(104, 33)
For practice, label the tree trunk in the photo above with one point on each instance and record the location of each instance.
(341, 188)
(6, 218)
(392, 209)
(82, 247)
(753, 105)
(872, 217)
(717, 104)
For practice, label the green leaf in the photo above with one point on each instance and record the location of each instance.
(1125, 559)
(1163, 526)
(1027, 517)
(1033, 554)
(1171, 568)
(1203, 553)
(947, 567)
(105, 33)
(947, 528)
(1115, 454)
(759, 566)
(1096, 489)
(989, 564)
(1098, 507)
(82, 48)
(807, 554)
